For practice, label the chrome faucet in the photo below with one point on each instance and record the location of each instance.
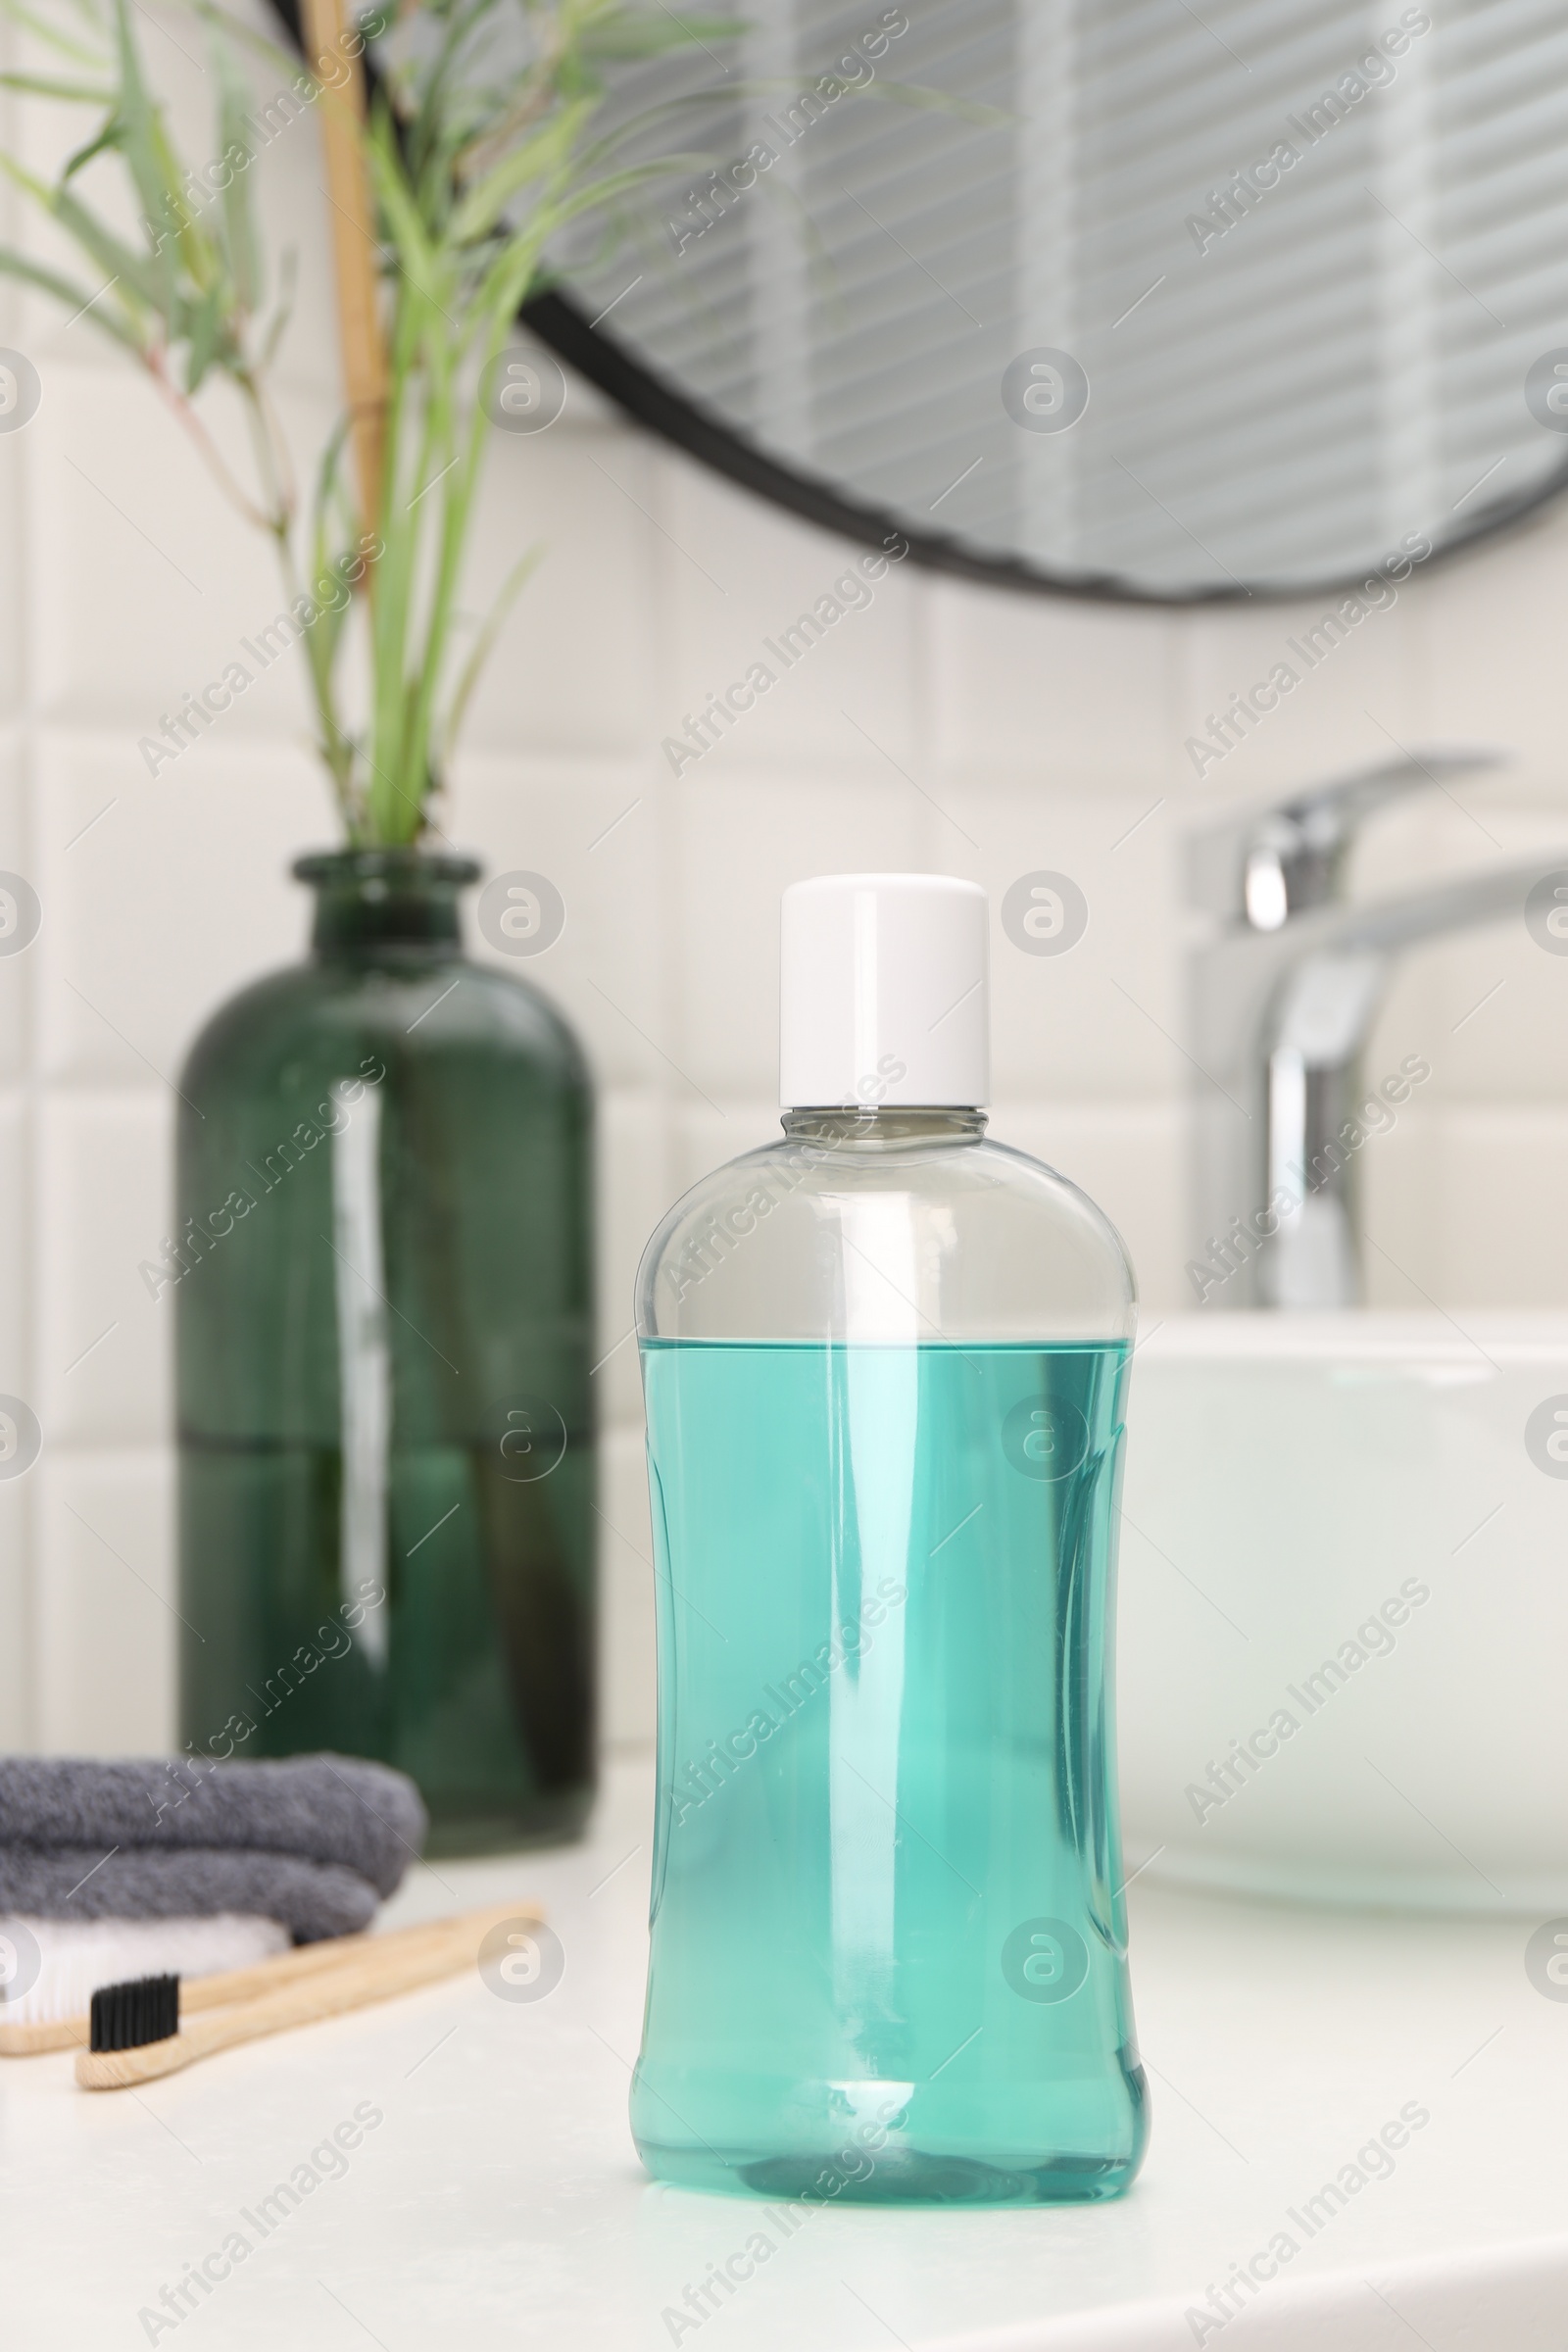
(1281, 1001)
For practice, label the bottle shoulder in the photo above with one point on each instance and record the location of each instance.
(828, 1237)
(317, 1014)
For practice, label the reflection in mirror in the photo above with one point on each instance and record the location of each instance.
(1124, 296)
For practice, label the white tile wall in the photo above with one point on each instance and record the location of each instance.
(942, 725)
(103, 1613)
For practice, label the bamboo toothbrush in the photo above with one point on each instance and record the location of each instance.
(224, 1985)
(136, 2029)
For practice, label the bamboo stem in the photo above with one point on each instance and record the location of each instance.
(354, 247)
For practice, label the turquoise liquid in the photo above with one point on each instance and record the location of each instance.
(888, 1944)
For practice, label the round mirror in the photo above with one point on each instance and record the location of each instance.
(1132, 299)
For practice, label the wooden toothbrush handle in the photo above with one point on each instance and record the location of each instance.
(262, 1975)
(370, 1975)
(308, 1959)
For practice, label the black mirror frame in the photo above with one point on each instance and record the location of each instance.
(652, 400)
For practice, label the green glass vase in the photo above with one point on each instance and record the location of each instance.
(382, 1283)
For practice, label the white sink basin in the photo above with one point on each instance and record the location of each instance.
(1339, 1550)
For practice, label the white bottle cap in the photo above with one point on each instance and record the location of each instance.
(885, 991)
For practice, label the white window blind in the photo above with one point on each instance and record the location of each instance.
(1285, 380)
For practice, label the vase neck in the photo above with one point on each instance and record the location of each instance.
(368, 900)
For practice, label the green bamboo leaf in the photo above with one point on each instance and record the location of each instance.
(147, 156)
(133, 271)
(326, 630)
(328, 494)
(627, 33)
(239, 227)
(287, 279)
(107, 137)
(638, 127)
(429, 122)
(771, 88)
(14, 264)
(619, 184)
(149, 276)
(483, 645)
(535, 157)
(974, 110)
(41, 85)
(29, 182)
(511, 275)
(235, 31)
(202, 323)
(51, 34)
(418, 257)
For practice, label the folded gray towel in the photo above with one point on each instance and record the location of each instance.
(311, 1900)
(335, 1810)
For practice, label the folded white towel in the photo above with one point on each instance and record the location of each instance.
(51, 1968)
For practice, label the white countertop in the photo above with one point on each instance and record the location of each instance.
(499, 2202)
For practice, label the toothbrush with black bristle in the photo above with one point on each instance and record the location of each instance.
(126, 2017)
(136, 2030)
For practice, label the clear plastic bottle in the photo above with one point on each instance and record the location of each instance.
(885, 1362)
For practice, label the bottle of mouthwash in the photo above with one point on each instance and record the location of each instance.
(885, 1363)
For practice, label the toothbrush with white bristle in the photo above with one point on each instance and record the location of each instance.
(230, 1973)
(51, 1968)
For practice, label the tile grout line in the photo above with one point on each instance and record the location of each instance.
(26, 650)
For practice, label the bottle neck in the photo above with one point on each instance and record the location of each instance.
(877, 1127)
(380, 901)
